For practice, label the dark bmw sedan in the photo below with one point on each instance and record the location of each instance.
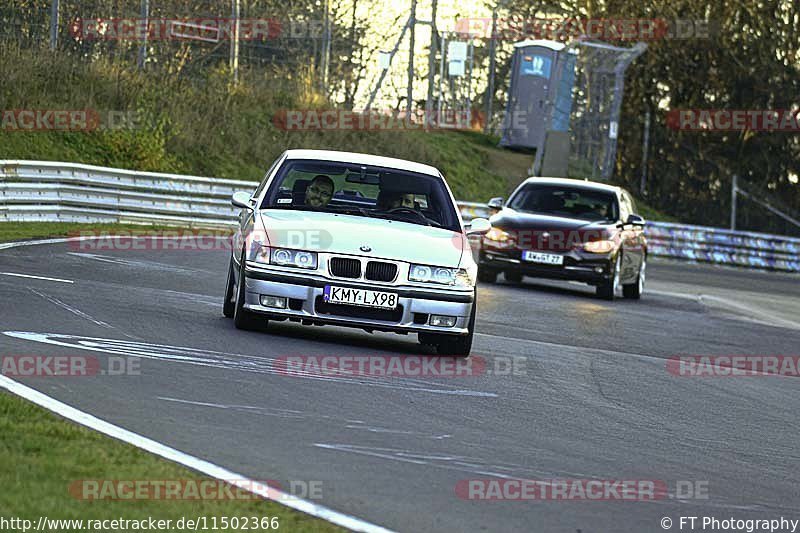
(567, 229)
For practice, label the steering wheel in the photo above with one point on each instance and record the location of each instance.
(413, 212)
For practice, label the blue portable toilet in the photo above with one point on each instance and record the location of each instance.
(542, 74)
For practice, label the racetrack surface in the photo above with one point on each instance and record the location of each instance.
(595, 400)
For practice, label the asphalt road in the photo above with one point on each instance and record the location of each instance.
(591, 398)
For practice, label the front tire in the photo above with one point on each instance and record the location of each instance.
(608, 288)
(634, 290)
(512, 277)
(487, 275)
(242, 318)
(229, 306)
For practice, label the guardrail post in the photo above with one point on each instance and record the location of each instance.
(54, 24)
(734, 190)
(142, 58)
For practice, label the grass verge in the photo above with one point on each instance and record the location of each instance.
(42, 454)
(45, 454)
(209, 127)
(17, 231)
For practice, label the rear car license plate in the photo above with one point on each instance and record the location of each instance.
(361, 297)
(544, 259)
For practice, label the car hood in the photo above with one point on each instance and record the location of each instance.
(346, 234)
(510, 219)
(542, 232)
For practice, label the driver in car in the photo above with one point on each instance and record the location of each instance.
(319, 191)
(393, 200)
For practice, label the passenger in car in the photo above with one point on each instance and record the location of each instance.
(602, 211)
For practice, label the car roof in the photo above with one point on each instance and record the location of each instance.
(363, 159)
(586, 184)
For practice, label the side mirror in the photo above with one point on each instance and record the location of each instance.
(495, 203)
(242, 199)
(635, 220)
(478, 226)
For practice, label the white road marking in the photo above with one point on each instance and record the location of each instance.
(136, 263)
(446, 462)
(373, 429)
(747, 312)
(72, 310)
(17, 244)
(262, 411)
(293, 414)
(96, 257)
(35, 277)
(233, 361)
(189, 461)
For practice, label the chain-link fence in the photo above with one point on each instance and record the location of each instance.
(594, 124)
(176, 36)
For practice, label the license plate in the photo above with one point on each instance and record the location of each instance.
(362, 297)
(545, 259)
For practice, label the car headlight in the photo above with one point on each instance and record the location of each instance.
(599, 247)
(294, 258)
(464, 279)
(496, 234)
(441, 275)
(258, 251)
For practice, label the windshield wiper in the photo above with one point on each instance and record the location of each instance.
(349, 209)
(420, 216)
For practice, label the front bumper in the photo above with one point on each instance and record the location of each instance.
(578, 265)
(304, 295)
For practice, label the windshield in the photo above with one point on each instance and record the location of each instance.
(362, 191)
(565, 201)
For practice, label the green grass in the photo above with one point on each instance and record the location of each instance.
(210, 127)
(17, 231)
(43, 454)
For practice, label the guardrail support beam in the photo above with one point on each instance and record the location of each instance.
(734, 191)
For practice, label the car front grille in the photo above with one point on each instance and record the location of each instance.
(378, 271)
(343, 267)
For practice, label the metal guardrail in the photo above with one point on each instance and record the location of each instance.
(66, 192)
(705, 244)
(715, 245)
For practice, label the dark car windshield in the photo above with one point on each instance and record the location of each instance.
(566, 201)
(362, 191)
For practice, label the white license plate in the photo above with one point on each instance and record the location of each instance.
(545, 259)
(362, 297)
